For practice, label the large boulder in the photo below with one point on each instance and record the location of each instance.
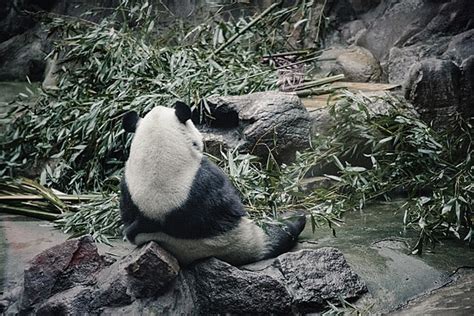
(221, 288)
(359, 65)
(434, 84)
(59, 268)
(467, 86)
(23, 55)
(257, 123)
(314, 277)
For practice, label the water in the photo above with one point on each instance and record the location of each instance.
(377, 247)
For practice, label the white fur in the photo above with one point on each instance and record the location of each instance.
(245, 243)
(163, 162)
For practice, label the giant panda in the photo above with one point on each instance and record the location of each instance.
(172, 194)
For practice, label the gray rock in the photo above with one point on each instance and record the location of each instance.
(391, 23)
(74, 301)
(313, 277)
(359, 65)
(23, 55)
(222, 288)
(361, 6)
(461, 46)
(256, 123)
(433, 84)
(467, 86)
(353, 30)
(146, 272)
(59, 268)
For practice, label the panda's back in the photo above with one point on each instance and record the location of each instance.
(211, 196)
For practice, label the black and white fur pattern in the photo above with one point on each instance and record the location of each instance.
(174, 195)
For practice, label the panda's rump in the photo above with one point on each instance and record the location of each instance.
(245, 243)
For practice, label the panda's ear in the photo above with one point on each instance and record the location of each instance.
(183, 112)
(130, 121)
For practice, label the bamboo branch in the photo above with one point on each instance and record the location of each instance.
(248, 26)
(293, 53)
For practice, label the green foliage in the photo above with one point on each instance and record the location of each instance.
(109, 68)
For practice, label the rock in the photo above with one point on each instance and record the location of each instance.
(23, 55)
(314, 277)
(391, 23)
(359, 65)
(146, 272)
(461, 46)
(400, 33)
(221, 288)
(74, 301)
(353, 30)
(361, 6)
(59, 268)
(433, 84)
(256, 123)
(467, 87)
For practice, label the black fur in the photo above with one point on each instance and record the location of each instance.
(284, 235)
(212, 208)
(183, 112)
(129, 121)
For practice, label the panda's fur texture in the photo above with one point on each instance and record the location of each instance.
(174, 195)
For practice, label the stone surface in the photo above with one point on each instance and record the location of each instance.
(257, 123)
(353, 30)
(59, 268)
(23, 55)
(433, 84)
(314, 277)
(455, 299)
(461, 46)
(146, 272)
(359, 65)
(467, 87)
(222, 288)
(74, 301)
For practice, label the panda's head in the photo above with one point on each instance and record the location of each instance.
(165, 132)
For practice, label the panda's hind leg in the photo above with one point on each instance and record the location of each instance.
(283, 235)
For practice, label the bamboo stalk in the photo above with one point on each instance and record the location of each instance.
(248, 26)
(318, 82)
(313, 91)
(314, 83)
(297, 62)
(27, 212)
(20, 197)
(296, 52)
